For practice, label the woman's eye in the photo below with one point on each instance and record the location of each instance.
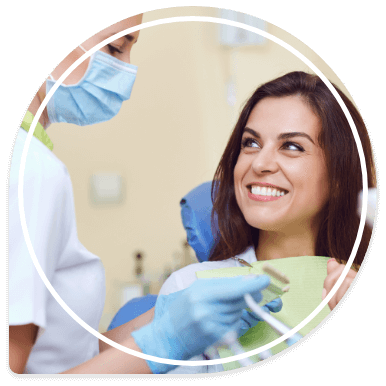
(292, 146)
(253, 144)
(249, 142)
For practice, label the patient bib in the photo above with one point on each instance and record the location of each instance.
(306, 275)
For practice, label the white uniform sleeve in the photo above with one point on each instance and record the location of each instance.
(182, 278)
(171, 285)
(44, 198)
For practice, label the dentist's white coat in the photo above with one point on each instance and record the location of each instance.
(75, 273)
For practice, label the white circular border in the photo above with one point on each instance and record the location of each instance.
(140, 354)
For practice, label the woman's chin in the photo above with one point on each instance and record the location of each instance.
(267, 226)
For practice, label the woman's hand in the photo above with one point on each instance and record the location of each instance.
(334, 270)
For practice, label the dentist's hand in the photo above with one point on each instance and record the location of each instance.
(334, 270)
(249, 319)
(189, 321)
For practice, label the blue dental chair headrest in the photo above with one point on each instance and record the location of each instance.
(196, 210)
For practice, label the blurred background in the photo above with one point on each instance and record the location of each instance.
(129, 174)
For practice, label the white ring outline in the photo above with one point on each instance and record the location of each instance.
(212, 361)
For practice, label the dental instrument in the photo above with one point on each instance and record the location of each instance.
(278, 326)
(242, 261)
(273, 291)
(230, 339)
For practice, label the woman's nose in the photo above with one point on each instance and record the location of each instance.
(265, 161)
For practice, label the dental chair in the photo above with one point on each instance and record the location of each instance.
(196, 209)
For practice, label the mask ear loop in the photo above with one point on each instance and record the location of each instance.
(85, 51)
(81, 47)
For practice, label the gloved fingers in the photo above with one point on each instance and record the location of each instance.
(214, 330)
(234, 288)
(228, 290)
(243, 327)
(231, 299)
(266, 309)
(164, 301)
(275, 305)
(217, 313)
(234, 303)
(250, 318)
(252, 285)
(160, 306)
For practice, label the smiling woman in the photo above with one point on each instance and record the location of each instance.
(286, 190)
(292, 137)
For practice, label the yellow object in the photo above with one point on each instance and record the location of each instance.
(39, 131)
(306, 275)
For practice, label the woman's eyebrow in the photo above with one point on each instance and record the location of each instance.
(295, 134)
(281, 136)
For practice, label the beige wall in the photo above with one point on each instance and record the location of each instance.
(165, 141)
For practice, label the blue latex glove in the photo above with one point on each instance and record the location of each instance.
(187, 322)
(249, 319)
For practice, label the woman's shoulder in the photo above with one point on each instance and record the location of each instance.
(190, 270)
(206, 265)
(249, 255)
(186, 276)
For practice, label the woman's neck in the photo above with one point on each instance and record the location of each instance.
(276, 245)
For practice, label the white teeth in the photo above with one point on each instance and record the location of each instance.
(264, 191)
(256, 190)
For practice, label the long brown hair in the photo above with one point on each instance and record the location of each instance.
(340, 222)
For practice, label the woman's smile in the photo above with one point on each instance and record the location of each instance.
(263, 197)
(261, 191)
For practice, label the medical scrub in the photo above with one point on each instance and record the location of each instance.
(75, 273)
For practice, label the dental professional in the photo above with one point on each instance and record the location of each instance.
(43, 338)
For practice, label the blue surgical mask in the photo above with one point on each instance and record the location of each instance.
(97, 97)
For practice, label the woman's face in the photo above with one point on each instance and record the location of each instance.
(280, 177)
